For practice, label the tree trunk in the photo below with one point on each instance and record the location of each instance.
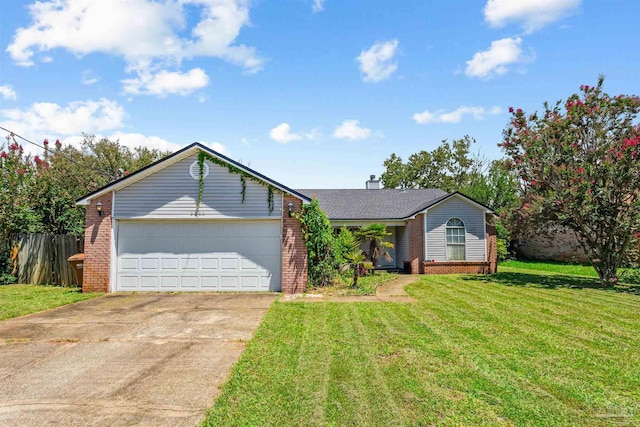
(356, 274)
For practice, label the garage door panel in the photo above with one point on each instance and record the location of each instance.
(190, 263)
(209, 263)
(198, 256)
(149, 282)
(209, 283)
(249, 282)
(229, 282)
(189, 282)
(128, 282)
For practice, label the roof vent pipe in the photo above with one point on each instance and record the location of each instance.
(373, 183)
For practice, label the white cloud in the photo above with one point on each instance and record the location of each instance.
(532, 14)
(318, 6)
(220, 148)
(8, 93)
(89, 78)
(159, 42)
(101, 118)
(377, 62)
(165, 83)
(46, 118)
(495, 61)
(456, 115)
(282, 134)
(351, 129)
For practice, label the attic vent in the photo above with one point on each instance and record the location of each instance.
(194, 170)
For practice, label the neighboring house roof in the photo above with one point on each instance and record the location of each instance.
(173, 158)
(380, 204)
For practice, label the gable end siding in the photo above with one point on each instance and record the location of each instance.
(173, 193)
(473, 219)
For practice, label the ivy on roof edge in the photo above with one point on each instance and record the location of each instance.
(202, 156)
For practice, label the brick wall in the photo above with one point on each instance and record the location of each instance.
(294, 252)
(416, 243)
(492, 244)
(97, 247)
(555, 244)
(457, 267)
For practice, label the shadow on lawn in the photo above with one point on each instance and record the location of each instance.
(551, 281)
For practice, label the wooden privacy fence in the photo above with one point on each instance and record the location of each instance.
(41, 259)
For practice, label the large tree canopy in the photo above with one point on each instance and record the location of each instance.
(579, 164)
(452, 167)
(38, 192)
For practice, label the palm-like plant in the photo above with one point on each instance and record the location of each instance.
(374, 235)
(351, 255)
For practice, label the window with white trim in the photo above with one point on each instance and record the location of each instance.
(455, 240)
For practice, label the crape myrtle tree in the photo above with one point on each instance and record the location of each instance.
(579, 166)
(38, 192)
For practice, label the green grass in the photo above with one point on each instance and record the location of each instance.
(18, 300)
(516, 348)
(367, 285)
(554, 267)
(627, 276)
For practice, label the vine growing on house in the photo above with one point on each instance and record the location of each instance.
(202, 156)
(319, 240)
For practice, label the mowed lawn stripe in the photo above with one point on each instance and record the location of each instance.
(559, 339)
(491, 375)
(470, 351)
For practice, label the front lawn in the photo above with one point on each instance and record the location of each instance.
(516, 348)
(18, 300)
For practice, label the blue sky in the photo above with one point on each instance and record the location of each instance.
(314, 94)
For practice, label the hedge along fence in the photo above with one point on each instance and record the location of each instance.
(41, 259)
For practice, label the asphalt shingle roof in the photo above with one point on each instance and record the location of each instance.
(374, 204)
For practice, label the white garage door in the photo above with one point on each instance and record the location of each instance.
(202, 256)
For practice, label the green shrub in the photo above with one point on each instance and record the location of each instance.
(503, 252)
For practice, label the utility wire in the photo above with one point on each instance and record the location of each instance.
(12, 136)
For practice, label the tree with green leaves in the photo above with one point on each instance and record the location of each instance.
(452, 167)
(579, 166)
(38, 193)
(445, 167)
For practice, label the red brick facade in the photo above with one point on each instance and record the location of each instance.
(97, 247)
(416, 243)
(294, 252)
(457, 267)
(492, 244)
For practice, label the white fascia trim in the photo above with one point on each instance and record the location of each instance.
(113, 270)
(461, 197)
(486, 241)
(426, 240)
(198, 219)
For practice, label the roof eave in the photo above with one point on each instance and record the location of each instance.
(173, 158)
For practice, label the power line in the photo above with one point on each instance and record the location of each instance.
(12, 135)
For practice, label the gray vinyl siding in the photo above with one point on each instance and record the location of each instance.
(402, 246)
(173, 193)
(473, 219)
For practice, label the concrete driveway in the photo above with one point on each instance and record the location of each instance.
(124, 359)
